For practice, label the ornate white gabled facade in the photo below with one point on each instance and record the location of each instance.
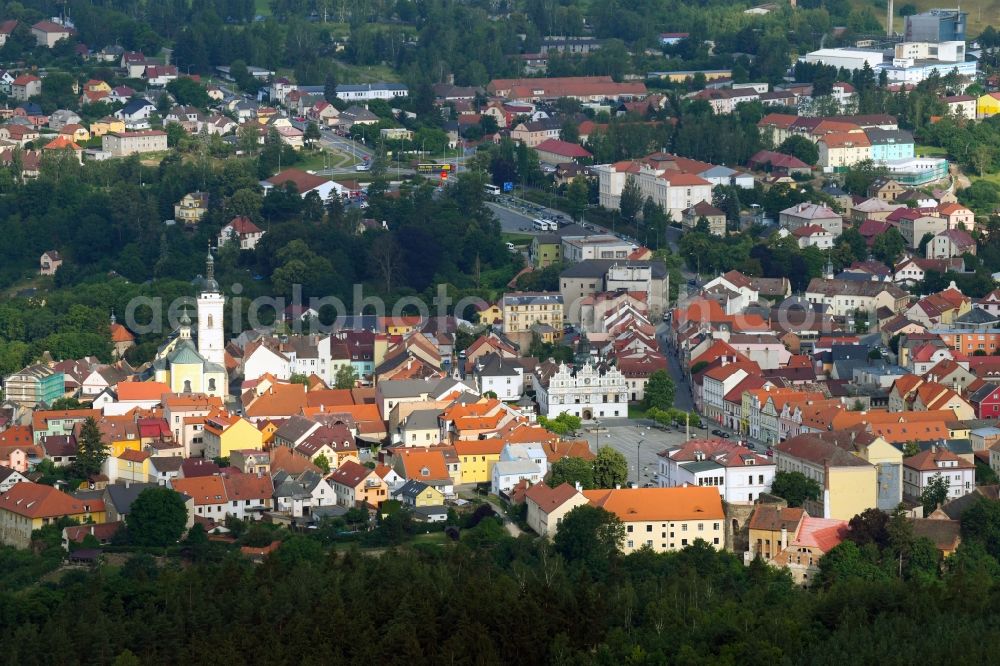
(587, 392)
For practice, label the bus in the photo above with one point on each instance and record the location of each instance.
(540, 225)
(491, 190)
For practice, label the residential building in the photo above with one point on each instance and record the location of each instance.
(35, 386)
(225, 433)
(49, 262)
(417, 495)
(814, 538)
(703, 210)
(810, 214)
(675, 183)
(771, 528)
(25, 87)
(848, 482)
(921, 469)
(242, 230)
(477, 458)
(664, 519)
(123, 144)
(366, 92)
(191, 208)
(523, 310)
(845, 297)
(357, 485)
(48, 33)
(739, 474)
(27, 506)
(548, 506)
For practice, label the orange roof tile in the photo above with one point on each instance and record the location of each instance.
(144, 391)
(648, 504)
(34, 500)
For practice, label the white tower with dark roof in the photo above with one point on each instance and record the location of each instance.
(211, 311)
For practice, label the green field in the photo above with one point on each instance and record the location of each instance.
(931, 151)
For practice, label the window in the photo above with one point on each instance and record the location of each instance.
(716, 541)
(684, 527)
(684, 542)
(630, 544)
(649, 528)
(629, 529)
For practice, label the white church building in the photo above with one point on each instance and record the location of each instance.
(197, 365)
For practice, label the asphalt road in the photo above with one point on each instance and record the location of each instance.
(647, 442)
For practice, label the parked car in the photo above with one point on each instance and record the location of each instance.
(751, 446)
(724, 435)
(717, 432)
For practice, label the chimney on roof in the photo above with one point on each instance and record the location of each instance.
(784, 539)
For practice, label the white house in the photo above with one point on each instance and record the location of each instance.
(919, 470)
(368, 91)
(507, 474)
(502, 376)
(136, 113)
(739, 474)
(298, 495)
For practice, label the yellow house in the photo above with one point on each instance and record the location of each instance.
(849, 483)
(30, 506)
(416, 494)
(106, 125)
(191, 208)
(76, 133)
(771, 528)
(131, 466)
(490, 315)
(119, 433)
(522, 311)
(988, 105)
(225, 433)
(476, 459)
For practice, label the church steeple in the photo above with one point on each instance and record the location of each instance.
(184, 332)
(210, 286)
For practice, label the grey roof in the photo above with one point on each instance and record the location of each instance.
(976, 316)
(495, 366)
(123, 495)
(990, 431)
(597, 268)
(701, 466)
(533, 297)
(295, 428)
(405, 388)
(423, 419)
(411, 488)
(428, 511)
(166, 463)
(506, 467)
(328, 511)
(885, 137)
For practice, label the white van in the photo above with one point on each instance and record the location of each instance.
(364, 166)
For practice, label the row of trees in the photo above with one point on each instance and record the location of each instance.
(882, 595)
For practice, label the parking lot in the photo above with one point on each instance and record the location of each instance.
(646, 441)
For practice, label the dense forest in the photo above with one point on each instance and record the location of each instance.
(883, 597)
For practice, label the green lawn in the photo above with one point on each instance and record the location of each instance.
(636, 411)
(517, 239)
(931, 151)
(314, 161)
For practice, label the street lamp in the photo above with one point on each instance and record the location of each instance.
(598, 424)
(638, 446)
